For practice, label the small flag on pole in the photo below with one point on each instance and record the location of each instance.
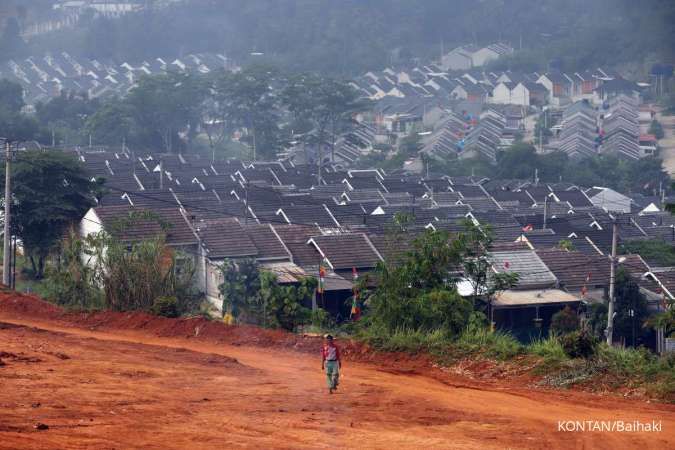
(356, 309)
(322, 279)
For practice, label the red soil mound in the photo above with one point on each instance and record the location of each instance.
(30, 306)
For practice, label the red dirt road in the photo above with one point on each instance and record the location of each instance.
(123, 388)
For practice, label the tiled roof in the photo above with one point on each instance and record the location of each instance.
(295, 238)
(226, 239)
(574, 268)
(138, 223)
(531, 270)
(344, 251)
(267, 242)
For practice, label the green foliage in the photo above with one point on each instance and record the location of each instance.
(134, 278)
(163, 105)
(240, 288)
(321, 319)
(72, 282)
(549, 349)
(14, 125)
(597, 319)
(482, 341)
(255, 296)
(322, 106)
(11, 96)
(656, 129)
(66, 116)
(12, 44)
(566, 244)
(111, 124)
(564, 321)
(542, 128)
(406, 340)
(629, 298)
(665, 319)
(51, 192)
(282, 305)
(521, 161)
(400, 301)
(249, 104)
(579, 344)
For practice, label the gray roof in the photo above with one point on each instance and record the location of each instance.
(531, 270)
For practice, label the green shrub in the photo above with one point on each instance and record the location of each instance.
(497, 344)
(564, 321)
(579, 344)
(321, 319)
(550, 349)
(166, 306)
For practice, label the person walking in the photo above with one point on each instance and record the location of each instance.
(330, 362)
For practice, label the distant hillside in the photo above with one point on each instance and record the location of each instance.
(350, 36)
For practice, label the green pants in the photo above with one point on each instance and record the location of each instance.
(332, 374)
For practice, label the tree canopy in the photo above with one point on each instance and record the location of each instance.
(50, 193)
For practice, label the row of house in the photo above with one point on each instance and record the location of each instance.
(280, 215)
(620, 129)
(468, 56)
(587, 131)
(49, 76)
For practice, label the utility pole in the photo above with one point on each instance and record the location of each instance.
(319, 153)
(254, 149)
(6, 254)
(545, 211)
(161, 173)
(612, 282)
(246, 203)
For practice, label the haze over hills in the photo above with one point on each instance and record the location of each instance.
(350, 36)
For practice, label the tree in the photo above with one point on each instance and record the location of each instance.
(73, 282)
(14, 125)
(162, 106)
(11, 96)
(111, 124)
(520, 161)
(51, 192)
(253, 106)
(485, 282)
(217, 120)
(341, 102)
(656, 129)
(660, 252)
(240, 288)
(143, 275)
(542, 128)
(283, 305)
(631, 308)
(322, 107)
(12, 44)
(254, 296)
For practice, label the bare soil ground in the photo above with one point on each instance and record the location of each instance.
(119, 381)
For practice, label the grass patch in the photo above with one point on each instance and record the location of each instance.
(498, 345)
(550, 351)
(405, 340)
